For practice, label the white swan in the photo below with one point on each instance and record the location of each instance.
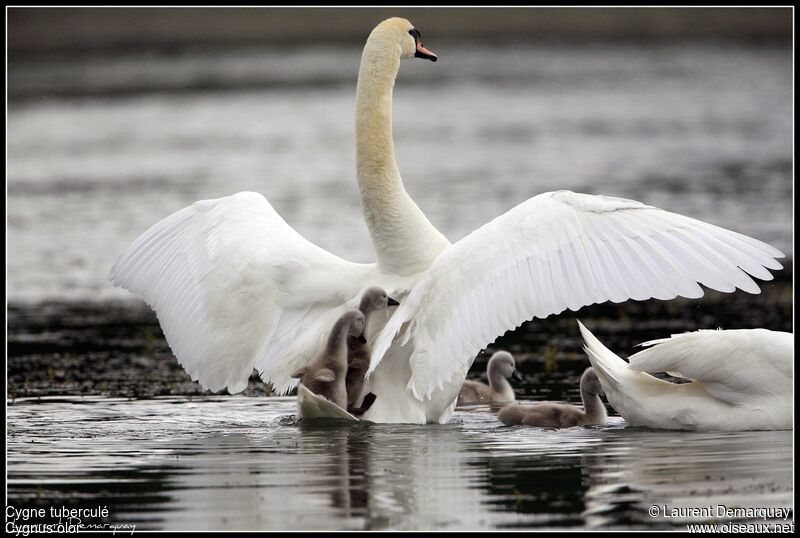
(236, 288)
(741, 380)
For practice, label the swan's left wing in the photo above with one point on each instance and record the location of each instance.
(236, 288)
(732, 365)
(556, 251)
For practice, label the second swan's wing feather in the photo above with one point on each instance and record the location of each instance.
(235, 287)
(556, 251)
(733, 365)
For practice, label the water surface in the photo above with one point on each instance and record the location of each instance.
(247, 463)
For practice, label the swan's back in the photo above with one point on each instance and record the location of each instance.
(742, 380)
(738, 366)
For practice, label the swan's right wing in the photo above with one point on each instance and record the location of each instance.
(732, 365)
(235, 287)
(556, 251)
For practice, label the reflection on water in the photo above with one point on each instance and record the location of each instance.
(700, 129)
(634, 470)
(246, 463)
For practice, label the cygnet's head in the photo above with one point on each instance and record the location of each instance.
(502, 363)
(406, 36)
(374, 299)
(590, 383)
(354, 321)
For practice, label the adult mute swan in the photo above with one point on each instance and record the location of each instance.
(236, 288)
(741, 380)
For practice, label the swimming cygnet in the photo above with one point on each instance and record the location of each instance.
(373, 300)
(553, 415)
(326, 374)
(501, 366)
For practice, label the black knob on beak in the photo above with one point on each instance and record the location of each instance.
(421, 52)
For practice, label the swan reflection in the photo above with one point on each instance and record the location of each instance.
(632, 470)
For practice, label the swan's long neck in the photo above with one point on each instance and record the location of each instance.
(405, 241)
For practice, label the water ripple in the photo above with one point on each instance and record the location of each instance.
(247, 463)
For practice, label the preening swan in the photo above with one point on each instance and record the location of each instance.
(500, 368)
(741, 380)
(236, 288)
(554, 415)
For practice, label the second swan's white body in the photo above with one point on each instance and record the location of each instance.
(740, 380)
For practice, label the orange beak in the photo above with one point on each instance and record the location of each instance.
(422, 52)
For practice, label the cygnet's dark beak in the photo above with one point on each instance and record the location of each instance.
(392, 302)
(516, 376)
(362, 339)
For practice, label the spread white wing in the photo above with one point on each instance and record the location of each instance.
(235, 287)
(733, 365)
(556, 251)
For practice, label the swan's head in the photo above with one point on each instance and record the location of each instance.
(374, 299)
(590, 383)
(502, 363)
(406, 36)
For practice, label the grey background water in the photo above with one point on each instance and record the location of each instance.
(103, 144)
(701, 129)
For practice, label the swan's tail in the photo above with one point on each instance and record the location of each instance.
(609, 367)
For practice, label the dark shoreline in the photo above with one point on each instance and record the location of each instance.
(116, 348)
(36, 30)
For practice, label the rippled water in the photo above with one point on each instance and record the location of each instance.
(701, 129)
(246, 463)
